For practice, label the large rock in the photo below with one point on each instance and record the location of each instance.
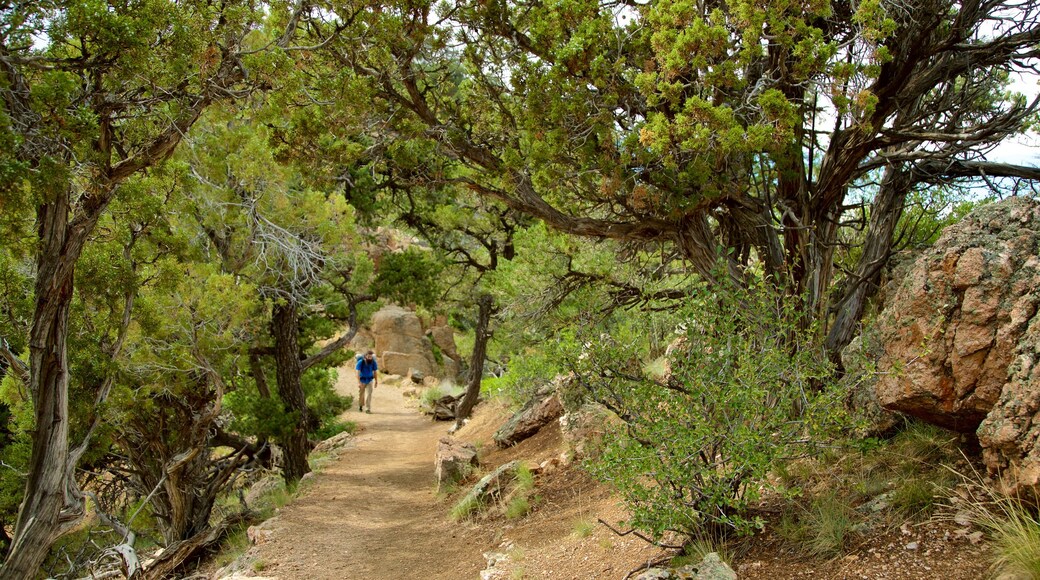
(444, 338)
(334, 443)
(1010, 435)
(400, 343)
(454, 461)
(444, 408)
(953, 327)
(544, 408)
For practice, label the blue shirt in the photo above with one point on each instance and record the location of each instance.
(367, 368)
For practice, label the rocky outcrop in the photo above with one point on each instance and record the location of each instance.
(544, 408)
(859, 359)
(454, 460)
(400, 343)
(335, 443)
(953, 327)
(1010, 435)
(443, 337)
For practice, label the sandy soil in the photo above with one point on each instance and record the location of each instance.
(374, 512)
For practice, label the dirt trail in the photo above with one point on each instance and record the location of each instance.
(373, 512)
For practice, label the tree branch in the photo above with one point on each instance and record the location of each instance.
(17, 365)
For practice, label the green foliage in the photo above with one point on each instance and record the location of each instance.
(748, 390)
(430, 395)
(15, 445)
(524, 478)
(408, 277)
(335, 427)
(259, 416)
(583, 527)
(526, 372)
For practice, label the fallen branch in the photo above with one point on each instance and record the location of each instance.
(636, 533)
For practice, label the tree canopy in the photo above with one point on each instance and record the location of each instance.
(189, 192)
(756, 134)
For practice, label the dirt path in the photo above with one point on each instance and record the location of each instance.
(374, 512)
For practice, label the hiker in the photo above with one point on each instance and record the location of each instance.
(367, 380)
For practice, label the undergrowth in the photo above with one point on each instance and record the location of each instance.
(1013, 526)
(880, 484)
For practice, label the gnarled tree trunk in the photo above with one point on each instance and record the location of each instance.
(52, 503)
(285, 326)
(476, 367)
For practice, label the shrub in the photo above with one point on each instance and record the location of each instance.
(527, 372)
(748, 389)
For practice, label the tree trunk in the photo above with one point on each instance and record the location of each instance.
(884, 217)
(476, 367)
(285, 326)
(49, 506)
(181, 553)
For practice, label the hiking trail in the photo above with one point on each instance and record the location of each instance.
(373, 512)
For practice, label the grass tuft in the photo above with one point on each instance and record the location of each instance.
(518, 507)
(824, 529)
(465, 508)
(916, 497)
(1012, 526)
(583, 527)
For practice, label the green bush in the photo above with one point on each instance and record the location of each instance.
(266, 416)
(748, 389)
(526, 373)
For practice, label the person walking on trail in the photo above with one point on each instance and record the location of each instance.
(367, 380)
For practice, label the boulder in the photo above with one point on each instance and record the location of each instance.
(400, 343)
(454, 460)
(362, 341)
(444, 338)
(544, 408)
(263, 487)
(334, 443)
(402, 363)
(953, 326)
(262, 532)
(1010, 434)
